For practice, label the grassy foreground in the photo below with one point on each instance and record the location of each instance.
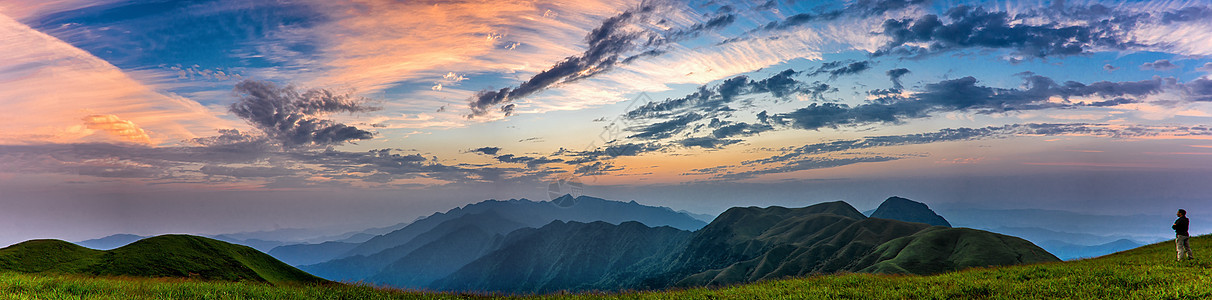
(1149, 272)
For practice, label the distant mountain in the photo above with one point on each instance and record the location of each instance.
(571, 256)
(306, 254)
(897, 208)
(110, 242)
(183, 256)
(1041, 235)
(1139, 227)
(259, 244)
(741, 245)
(701, 217)
(534, 214)
(443, 236)
(1069, 251)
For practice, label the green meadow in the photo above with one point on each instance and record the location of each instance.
(1148, 272)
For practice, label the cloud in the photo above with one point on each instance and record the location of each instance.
(895, 75)
(608, 46)
(852, 68)
(1159, 65)
(292, 118)
(707, 142)
(968, 27)
(124, 129)
(47, 87)
(826, 155)
(244, 172)
(714, 99)
(487, 150)
(664, 129)
(1207, 67)
(1187, 14)
(1110, 68)
(964, 94)
(530, 162)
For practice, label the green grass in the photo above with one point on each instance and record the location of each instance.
(1149, 272)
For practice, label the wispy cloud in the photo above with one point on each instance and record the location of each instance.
(51, 90)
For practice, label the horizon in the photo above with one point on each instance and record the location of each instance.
(225, 116)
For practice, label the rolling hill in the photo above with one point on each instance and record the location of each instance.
(182, 256)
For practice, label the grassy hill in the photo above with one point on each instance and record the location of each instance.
(183, 256)
(1149, 272)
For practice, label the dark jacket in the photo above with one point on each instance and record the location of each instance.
(1180, 226)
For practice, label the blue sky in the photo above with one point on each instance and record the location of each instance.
(138, 117)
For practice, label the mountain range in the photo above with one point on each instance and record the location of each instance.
(439, 244)
(741, 245)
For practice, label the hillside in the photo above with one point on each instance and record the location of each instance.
(570, 256)
(1148, 272)
(182, 256)
(897, 208)
(55, 256)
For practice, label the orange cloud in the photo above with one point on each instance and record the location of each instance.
(47, 87)
(124, 129)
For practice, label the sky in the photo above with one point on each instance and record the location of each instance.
(221, 116)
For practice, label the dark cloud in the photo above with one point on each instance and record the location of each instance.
(858, 8)
(1110, 68)
(716, 99)
(740, 129)
(664, 129)
(715, 23)
(970, 27)
(1198, 90)
(788, 22)
(811, 163)
(1188, 14)
(607, 46)
(293, 118)
(824, 155)
(964, 94)
(487, 150)
(530, 162)
(596, 168)
(895, 76)
(707, 142)
(1159, 65)
(852, 68)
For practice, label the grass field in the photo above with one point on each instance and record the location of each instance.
(1149, 272)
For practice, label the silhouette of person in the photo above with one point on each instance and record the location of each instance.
(1181, 238)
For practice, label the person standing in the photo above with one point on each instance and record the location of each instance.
(1181, 235)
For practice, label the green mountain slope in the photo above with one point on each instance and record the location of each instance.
(939, 249)
(56, 256)
(571, 256)
(161, 256)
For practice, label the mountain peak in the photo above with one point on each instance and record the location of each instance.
(565, 201)
(902, 209)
